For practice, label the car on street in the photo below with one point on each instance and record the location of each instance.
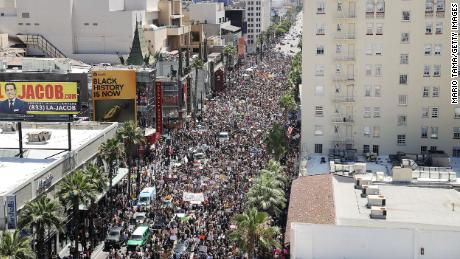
(140, 217)
(114, 239)
(181, 248)
(223, 136)
(159, 222)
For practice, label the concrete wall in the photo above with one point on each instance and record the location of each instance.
(213, 13)
(332, 241)
(156, 39)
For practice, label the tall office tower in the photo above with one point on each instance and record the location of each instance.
(258, 18)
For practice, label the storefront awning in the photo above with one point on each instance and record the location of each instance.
(230, 28)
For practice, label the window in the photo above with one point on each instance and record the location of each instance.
(435, 92)
(429, 6)
(378, 49)
(25, 15)
(379, 29)
(36, 24)
(426, 91)
(424, 133)
(440, 5)
(426, 70)
(406, 16)
(437, 70)
(433, 148)
(320, 50)
(434, 132)
(377, 91)
(376, 112)
(456, 151)
(318, 130)
(456, 132)
(401, 140)
(366, 149)
(457, 113)
(375, 149)
(320, 29)
(423, 149)
(319, 148)
(368, 70)
(319, 111)
(319, 90)
(429, 28)
(320, 7)
(425, 112)
(367, 131)
(437, 49)
(339, 6)
(404, 37)
(402, 99)
(434, 112)
(376, 132)
(427, 49)
(319, 70)
(86, 24)
(367, 91)
(380, 6)
(402, 120)
(370, 6)
(378, 70)
(95, 24)
(369, 49)
(338, 48)
(338, 69)
(439, 28)
(367, 112)
(404, 59)
(370, 29)
(403, 79)
(339, 27)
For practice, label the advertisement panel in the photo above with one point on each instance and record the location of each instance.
(114, 95)
(159, 107)
(11, 213)
(36, 100)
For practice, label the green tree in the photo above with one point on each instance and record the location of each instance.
(276, 141)
(76, 189)
(287, 101)
(229, 53)
(14, 246)
(267, 193)
(111, 151)
(38, 216)
(197, 64)
(131, 136)
(254, 231)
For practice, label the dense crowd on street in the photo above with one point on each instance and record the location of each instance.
(246, 109)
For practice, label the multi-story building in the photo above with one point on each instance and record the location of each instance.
(258, 18)
(376, 78)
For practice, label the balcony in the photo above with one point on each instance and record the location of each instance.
(342, 119)
(351, 14)
(350, 57)
(345, 36)
(440, 13)
(347, 78)
(343, 99)
(178, 30)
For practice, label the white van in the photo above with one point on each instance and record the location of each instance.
(223, 136)
(147, 196)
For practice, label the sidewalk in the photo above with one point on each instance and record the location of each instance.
(97, 253)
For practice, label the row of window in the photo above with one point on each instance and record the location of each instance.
(377, 29)
(436, 70)
(252, 19)
(374, 131)
(377, 49)
(376, 91)
(402, 119)
(252, 25)
(253, 2)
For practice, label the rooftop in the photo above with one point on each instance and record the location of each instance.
(417, 207)
(311, 201)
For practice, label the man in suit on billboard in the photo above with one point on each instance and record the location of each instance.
(13, 104)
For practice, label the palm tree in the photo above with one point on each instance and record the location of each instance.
(76, 189)
(276, 141)
(110, 151)
(14, 246)
(40, 215)
(131, 136)
(229, 52)
(267, 193)
(197, 64)
(253, 230)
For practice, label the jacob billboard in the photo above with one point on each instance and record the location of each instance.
(114, 95)
(37, 100)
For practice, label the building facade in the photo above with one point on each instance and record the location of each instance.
(376, 78)
(258, 18)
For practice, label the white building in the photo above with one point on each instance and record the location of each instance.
(91, 31)
(376, 77)
(207, 12)
(328, 218)
(258, 20)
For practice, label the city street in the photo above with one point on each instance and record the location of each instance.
(223, 171)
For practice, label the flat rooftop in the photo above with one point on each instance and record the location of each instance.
(15, 171)
(415, 207)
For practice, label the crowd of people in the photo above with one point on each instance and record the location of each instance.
(221, 174)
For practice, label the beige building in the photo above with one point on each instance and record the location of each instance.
(258, 20)
(376, 77)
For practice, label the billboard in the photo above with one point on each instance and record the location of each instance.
(159, 107)
(114, 95)
(11, 213)
(37, 100)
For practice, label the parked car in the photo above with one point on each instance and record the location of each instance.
(140, 217)
(114, 239)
